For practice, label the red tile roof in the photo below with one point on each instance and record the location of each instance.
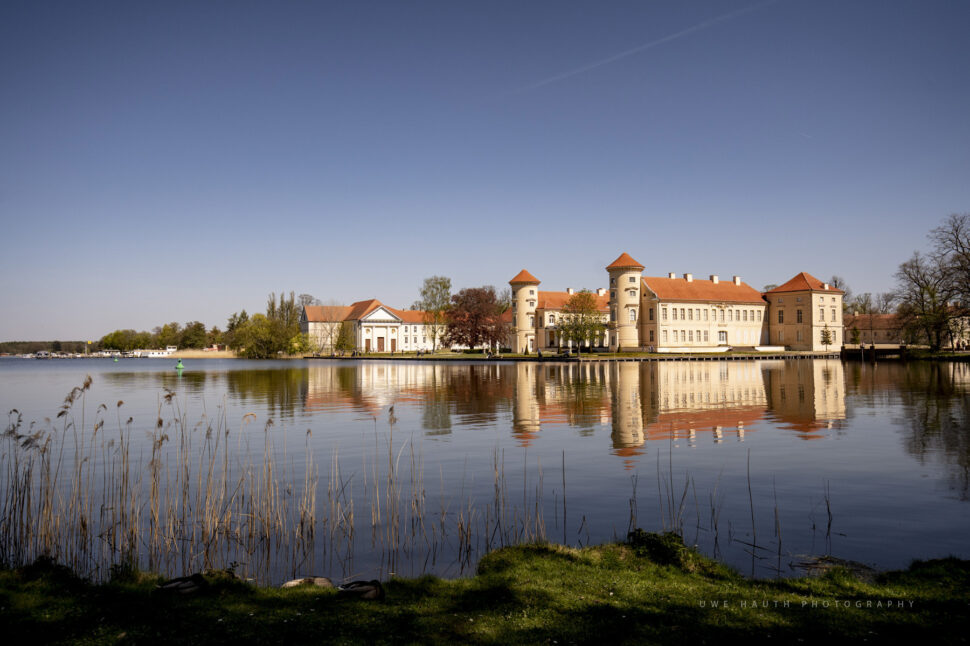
(804, 282)
(409, 316)
(360, 309)
(326, 313)
(556, 301)
(524, 278)
(623, 262)
(679, 289)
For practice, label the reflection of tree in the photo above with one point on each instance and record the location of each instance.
(938, 419)
(281, 390)
(192, 381)
(475, 391)
(584, 393)
(436, 413)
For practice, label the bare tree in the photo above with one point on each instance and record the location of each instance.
(951, 250)
(328, 328)
(924, 290)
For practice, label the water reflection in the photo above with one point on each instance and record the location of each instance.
(935, 397)
(669, 400)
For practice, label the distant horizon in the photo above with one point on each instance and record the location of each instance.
(180, 162)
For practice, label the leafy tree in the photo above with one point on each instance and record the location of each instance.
(307, 299)
(235, 322)
(213, 337)
(168, 334)
(581, 320)
(345, 338)
(855, 335)
(474, 318)
(193, 335)
(434, 302)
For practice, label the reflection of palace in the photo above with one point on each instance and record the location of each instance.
(656, 400)
(807, 395)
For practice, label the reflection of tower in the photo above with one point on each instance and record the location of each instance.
(524, 298)
(625, 275)
(525, 408)
(627, 412)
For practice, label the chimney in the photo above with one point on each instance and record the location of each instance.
(671, 275)
(714, 278)
(601, 291)
(570, 290)
(825, 286)
(737, 280)
(689, 278)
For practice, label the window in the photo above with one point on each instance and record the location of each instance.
(690, 335)
(651, 313)
(722, 316)
(745, 313)
(781, 316)
(682, 314)
(690, 315)
(798, 299)
(833, 315)
(675, 312)
(781, 336)
(612, 282)
(613, 315)
(780, 300)
(532, 292)
(663, 335)
(632, 293)
(613, 294)
(633, 315)
(798, 316)
(730, 315)
(798, 335)
(705, 315)
(633, 279)
(532, 321)
(532, 303)
(821, 314)
(759, 315)
(663, 313)
(651, 336)
(705, 337)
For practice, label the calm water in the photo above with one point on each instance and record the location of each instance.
(866, 463)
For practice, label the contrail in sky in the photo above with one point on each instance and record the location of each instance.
(651, 44)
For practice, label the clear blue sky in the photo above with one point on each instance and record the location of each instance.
(173, 161)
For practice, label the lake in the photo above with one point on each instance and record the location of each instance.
(374, 468)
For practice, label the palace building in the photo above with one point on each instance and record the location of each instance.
(684, 314)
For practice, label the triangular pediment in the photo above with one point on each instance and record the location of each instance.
(382, 314)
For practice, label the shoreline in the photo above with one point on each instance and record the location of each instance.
(649, 589)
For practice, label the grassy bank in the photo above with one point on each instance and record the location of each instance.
(651, 591)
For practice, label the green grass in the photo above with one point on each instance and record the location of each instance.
(651, 591)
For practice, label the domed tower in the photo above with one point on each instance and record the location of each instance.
(524, 299)
(625, 276)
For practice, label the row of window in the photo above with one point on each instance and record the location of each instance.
(695, 314)
(798, 315)
(684, 336)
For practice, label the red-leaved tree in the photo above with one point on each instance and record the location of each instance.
(474, 318)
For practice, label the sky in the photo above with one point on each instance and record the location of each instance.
(179, 161)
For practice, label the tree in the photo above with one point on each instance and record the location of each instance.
(193, 335)
(168, 334)
(951, 251)
(434, 302)
(326, 329)
(235, 322)
(345, 338)
(827, 338)
(474, 318)
(581, 321)
(769, 287)
(307, 299)
(924, 290)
